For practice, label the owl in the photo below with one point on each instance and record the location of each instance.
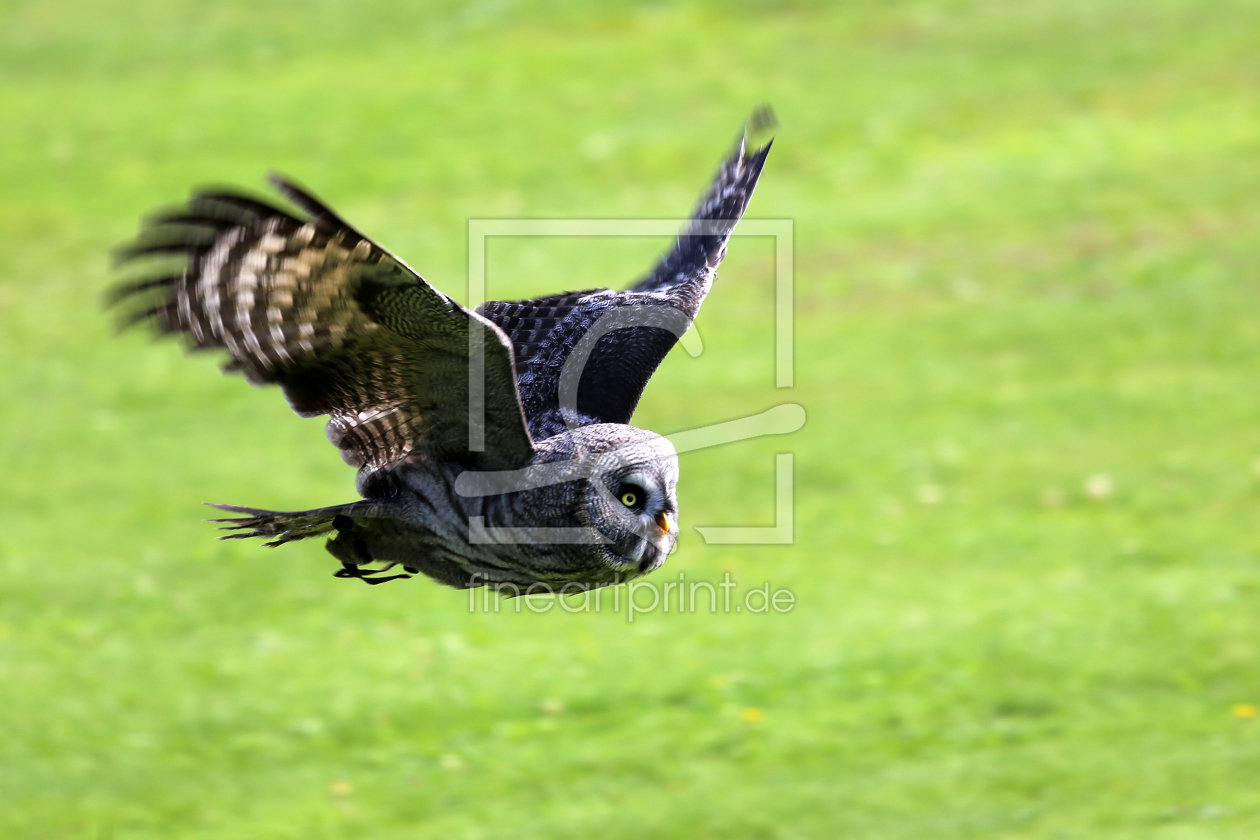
(493, 446)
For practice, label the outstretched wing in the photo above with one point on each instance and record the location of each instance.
(343, 326)
(585, 357)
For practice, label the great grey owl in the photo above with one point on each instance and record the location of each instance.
(492, 446)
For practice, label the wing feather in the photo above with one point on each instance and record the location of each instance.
(343, 326)
(546, 331)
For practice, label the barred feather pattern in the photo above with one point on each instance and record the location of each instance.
(341, 324)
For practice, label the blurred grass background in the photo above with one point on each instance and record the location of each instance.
(1027, 335)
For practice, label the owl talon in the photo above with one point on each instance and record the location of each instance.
(365, 575)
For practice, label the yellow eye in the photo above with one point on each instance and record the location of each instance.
(629, 499)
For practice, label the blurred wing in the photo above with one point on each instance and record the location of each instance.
(646, 321)
(344, 327)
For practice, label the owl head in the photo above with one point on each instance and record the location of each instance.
(630, 495)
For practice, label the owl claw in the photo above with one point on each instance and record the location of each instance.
(365, 575)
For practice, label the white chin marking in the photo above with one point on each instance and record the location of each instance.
(637, 555)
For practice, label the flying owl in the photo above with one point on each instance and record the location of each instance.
(493, 447)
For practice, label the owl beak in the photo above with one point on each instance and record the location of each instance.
(662, 522)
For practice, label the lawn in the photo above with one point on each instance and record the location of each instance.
(1027, 337)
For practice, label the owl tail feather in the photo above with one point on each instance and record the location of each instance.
(348, 545)
(286, 527)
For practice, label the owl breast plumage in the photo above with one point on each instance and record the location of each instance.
(493, 446)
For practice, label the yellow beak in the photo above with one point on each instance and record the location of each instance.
(662, 522)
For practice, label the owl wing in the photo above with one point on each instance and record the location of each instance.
(343, 326)
(620, 338)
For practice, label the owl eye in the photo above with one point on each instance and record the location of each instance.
(629, 498)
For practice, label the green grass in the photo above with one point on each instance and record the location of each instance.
(1027, 253)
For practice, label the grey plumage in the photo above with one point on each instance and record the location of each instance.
(347, 329)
